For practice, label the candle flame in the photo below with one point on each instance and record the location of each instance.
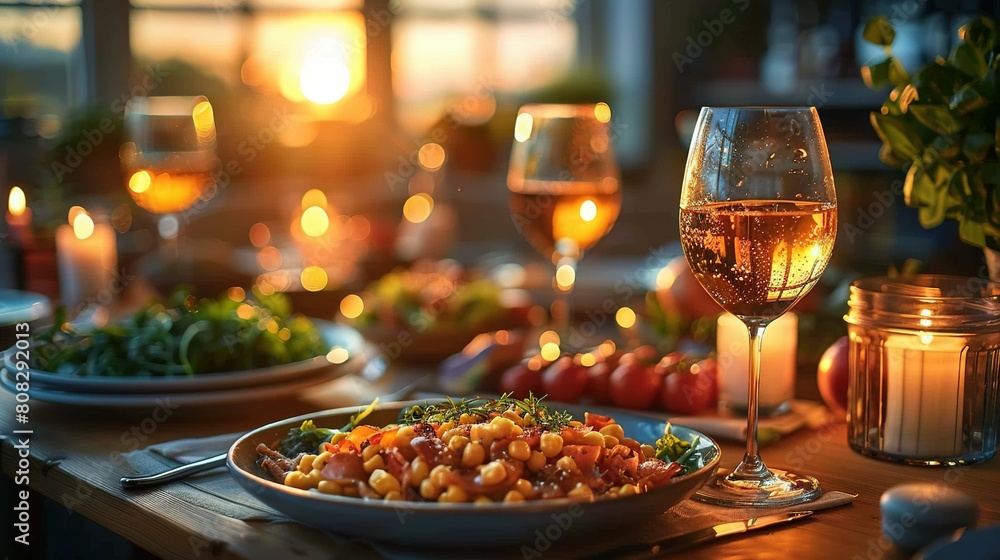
(522, 127)
(16, 203)
(83, 225)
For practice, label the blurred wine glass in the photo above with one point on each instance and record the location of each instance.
(169, 159)
(564, 185)
(758, 223)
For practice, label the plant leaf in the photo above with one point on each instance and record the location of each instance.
(918, 189)
(972, 232)
(981, 33)
(967, 99)
(931, 215)
(879, 31)
(977, 145)
(968, 59)
(938, 82)
(888, 72)
(905, 141)
(938, 118)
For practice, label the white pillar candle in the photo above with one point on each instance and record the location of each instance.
(87, 256)
(777, 363)
(924, 388)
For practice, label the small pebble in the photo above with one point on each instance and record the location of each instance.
(915, 514)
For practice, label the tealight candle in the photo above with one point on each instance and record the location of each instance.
(18, 217)
(88, 258)
(777, 364)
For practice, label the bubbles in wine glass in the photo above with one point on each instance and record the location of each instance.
(800, 155)
(795, 127)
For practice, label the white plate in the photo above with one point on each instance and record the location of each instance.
(18, 306)
(333, 335)
(237, 395)
(432, 523)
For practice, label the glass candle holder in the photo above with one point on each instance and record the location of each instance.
(924, 369)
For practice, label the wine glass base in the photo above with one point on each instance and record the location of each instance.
(782, 488)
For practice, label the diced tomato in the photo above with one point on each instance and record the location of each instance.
(384, 437)
(573, 435)
(656, 473)
(585, 456)
(597, 421)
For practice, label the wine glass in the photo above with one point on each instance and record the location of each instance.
(758, 223)
(564, 187)
(169, 158)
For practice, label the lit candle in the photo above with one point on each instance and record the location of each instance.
(88, 258)
(925, 387)
(18, 216)
(777, 363)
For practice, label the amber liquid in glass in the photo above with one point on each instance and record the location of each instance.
(758, 257)
(564, 221)
(164, 192)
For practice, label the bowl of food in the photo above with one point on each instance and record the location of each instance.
(472, 472)
(186, 345)
(432, 310)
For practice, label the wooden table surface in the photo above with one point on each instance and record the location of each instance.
(74, 461)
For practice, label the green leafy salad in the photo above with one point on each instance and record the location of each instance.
(182, 337)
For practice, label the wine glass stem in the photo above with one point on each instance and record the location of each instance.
(562, 305)
(752, 467)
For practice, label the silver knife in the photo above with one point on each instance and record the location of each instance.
(679, 542)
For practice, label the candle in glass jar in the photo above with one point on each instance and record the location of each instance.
(88, 257)
(777, 363)
(925, 386)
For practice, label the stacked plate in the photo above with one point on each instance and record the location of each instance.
(347, 350)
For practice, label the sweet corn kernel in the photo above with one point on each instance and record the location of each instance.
(383, 482)
(306, 464)
(524, 487)
(482, 500)
(393, 496)
(593, 438)
(473, 454)
(567, 464)
(419, 470)
(404, 436)
(647, 450)
(613, 430)
(441, 429)
(373, 464)
(349, 490)
(446, 437)
(610, 441)
(439, 475)
(513, 496)
(519, 449)
(581, 492)
(628, 490)
(320, 461)
(550, 444)
(536, 462)
(513, 417)
(458, 443)
(492, 473)
(428, 490)
(467, 419)
(454, 494)
(370, 451)
(329, 487)
(575, 423)
(314, 477)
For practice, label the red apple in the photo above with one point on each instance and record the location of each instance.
(833, 374)
(687, 388)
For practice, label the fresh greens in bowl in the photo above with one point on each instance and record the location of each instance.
(185, 336)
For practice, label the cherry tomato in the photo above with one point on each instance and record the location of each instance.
(564, 381)
(520, 380)
(599, 382)
(689, 389)
(634, 385)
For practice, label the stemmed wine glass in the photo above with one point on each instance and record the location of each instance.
(564, 187)
(758, 222)
(169, 158)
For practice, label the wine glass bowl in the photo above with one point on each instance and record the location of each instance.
(169, 156)
(564, 187)
(758, 223)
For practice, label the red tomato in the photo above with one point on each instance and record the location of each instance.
(689, 389)
(520, 380)
(833, 374)
(599, 382)
(585, 456)
(564, 381)
(634, 385)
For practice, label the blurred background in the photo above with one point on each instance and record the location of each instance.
(401, 113)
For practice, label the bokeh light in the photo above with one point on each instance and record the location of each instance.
(625, 317)
(602, 112)
(352, 306)
(315, 221)
(418, 208)
(314, 278)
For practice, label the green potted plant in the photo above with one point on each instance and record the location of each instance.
(940, 124)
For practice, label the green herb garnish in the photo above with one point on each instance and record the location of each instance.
(531, 409)
(307, 438)
(672, 448)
